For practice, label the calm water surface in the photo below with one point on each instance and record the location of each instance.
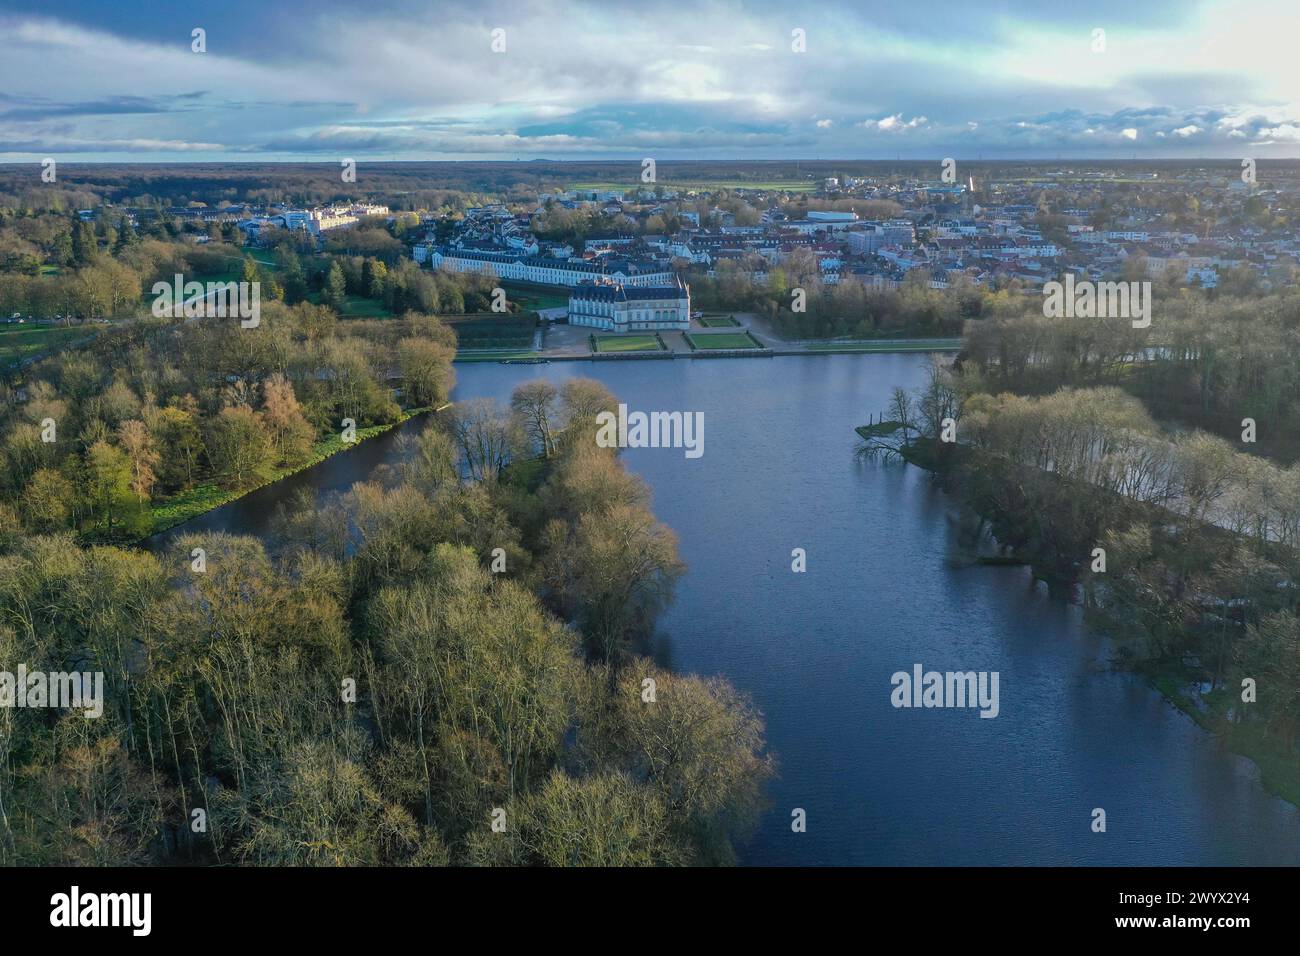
(816, 650)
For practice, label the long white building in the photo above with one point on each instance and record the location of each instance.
(614, 307)
(548, 270)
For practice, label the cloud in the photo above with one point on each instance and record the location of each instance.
(1286, 133)
(388, 77)
(896, 122)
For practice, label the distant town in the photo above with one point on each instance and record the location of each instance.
(1192, 225)
(709, 260)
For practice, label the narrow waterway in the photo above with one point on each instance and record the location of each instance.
(816, 650)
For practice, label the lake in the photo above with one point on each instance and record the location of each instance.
(816, 650)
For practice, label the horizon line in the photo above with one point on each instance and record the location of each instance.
(637, 159)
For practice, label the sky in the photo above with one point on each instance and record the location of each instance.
(326, 80)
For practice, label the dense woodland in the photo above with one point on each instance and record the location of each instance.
(1073, 436)
(848, 308)
(53, 265)
(152, 409)
(463, 634)
(396, 669)
(453, 644)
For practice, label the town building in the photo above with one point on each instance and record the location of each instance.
(547, 270)
(614, 307)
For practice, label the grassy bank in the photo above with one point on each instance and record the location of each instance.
(494, 356)
(203, 498)
(22, 341)
(897, 345)
(1279, 771)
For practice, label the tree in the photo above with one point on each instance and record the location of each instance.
(433, 464)
(482, 435)
(84, 245)
(48, 501)
(472, 674)
(1271, 653)
(335, 289)
(180, 445)
(699, 747)
(606, 819)
(137, 444)
(239, 446)
(426, 370)
(251, 272)
(616, 569)
(535, 404)
(126, 237)
(290, 433)
(374, 276)
(582, 399)
(108, 481)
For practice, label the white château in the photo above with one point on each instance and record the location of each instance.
(614, 307)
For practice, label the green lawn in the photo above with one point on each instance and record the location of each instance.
(234, 270)
(235, 273)
(357, 307)
(19, 341)
(260, 256)
(723, 340)
(472, 356)
(627, 343)
(896, 345)
(719, 322)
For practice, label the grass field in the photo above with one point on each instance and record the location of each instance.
(885, 345)
(723, 340)
(494, 356)
(627, 343)
(19, 341)
(719, 322)
(234, 271)
(355, 306)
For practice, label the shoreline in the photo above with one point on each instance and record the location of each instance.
(885, 347)
(1279, 773)
(331, 447)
